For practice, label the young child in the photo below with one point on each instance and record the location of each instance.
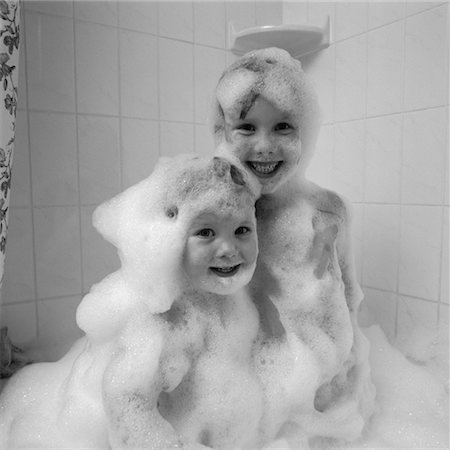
(266, 114)
(166, 360)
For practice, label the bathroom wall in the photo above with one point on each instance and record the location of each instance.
(384, 89)
(107, 87)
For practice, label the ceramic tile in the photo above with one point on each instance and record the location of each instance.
(445, 271)
(140, 149)
(176, 138)
(351, 79)
(418, 6)
(209, 24)
(379, 308)
(62, 8)
(57, 249)
(209, 64)
(21, 322)
(269, 12)
(295, 12)
(426, 59)
(96, 11)
(99, 158)
(241, 14)
(204, 140)
(420, 251)
(50, 64)
(383, 159)
(139, 16)
(99, 256)
(381, 246)
(19, 266)
(176, 75)
(320, 12)
(414, 316)
(351, 19)
(139, 86)
(348, 161)
(444, 319)
(20, 181)
(321, 70)
(22, 101)
(176, 20)
(382, 13)
(356, 232)
(321, 166)
(53, 159)
(57, 324)
(385, 70)
(425, 143)
(97, 69)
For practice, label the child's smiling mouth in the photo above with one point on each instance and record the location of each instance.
(264, 169)
(225, 271)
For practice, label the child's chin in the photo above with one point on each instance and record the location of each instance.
(228, 285)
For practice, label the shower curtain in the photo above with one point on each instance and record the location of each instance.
(9, 66)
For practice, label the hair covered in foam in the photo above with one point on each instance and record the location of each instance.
(149, 221)
(274, 75)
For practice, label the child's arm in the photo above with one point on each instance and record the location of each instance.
(131, 386)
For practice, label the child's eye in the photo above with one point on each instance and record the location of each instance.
(242, 230)
(283, 127)
(206, 233)
(246, 128)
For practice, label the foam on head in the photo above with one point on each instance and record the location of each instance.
(274, 75)
(149, 221)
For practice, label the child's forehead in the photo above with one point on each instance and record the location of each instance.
(221, 215)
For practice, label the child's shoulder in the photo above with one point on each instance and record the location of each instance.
(327, 201)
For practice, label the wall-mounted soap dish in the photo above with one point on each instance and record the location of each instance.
(298, 40)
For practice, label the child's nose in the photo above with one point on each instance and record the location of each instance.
(226, 249)
(264, 146)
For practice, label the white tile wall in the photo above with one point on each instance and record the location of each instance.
(19, 269)
(176, 20)
(348, 161)
(351, 19)
(97, 76)
(426, 59)
(138, 76)
(176, 80)
(420, 251)
(385, 70)
(425, 144)
(383, 159)
(99, 152)
(140, 149)
(53, 158)
(139, 16)
(57, 251)
(210, 26)
(385, 97)
(209, 63)
(351, 78)
(131, 81)
(50, 65)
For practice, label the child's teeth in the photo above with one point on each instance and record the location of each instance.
(224, 269)
(264, 167)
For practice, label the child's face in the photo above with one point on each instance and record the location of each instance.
(267, 142)
(221, 250)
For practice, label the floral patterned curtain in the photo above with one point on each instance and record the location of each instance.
(9, 65)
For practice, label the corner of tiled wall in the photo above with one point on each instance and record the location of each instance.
(383, 87)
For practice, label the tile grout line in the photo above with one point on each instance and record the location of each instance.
(77, 142)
